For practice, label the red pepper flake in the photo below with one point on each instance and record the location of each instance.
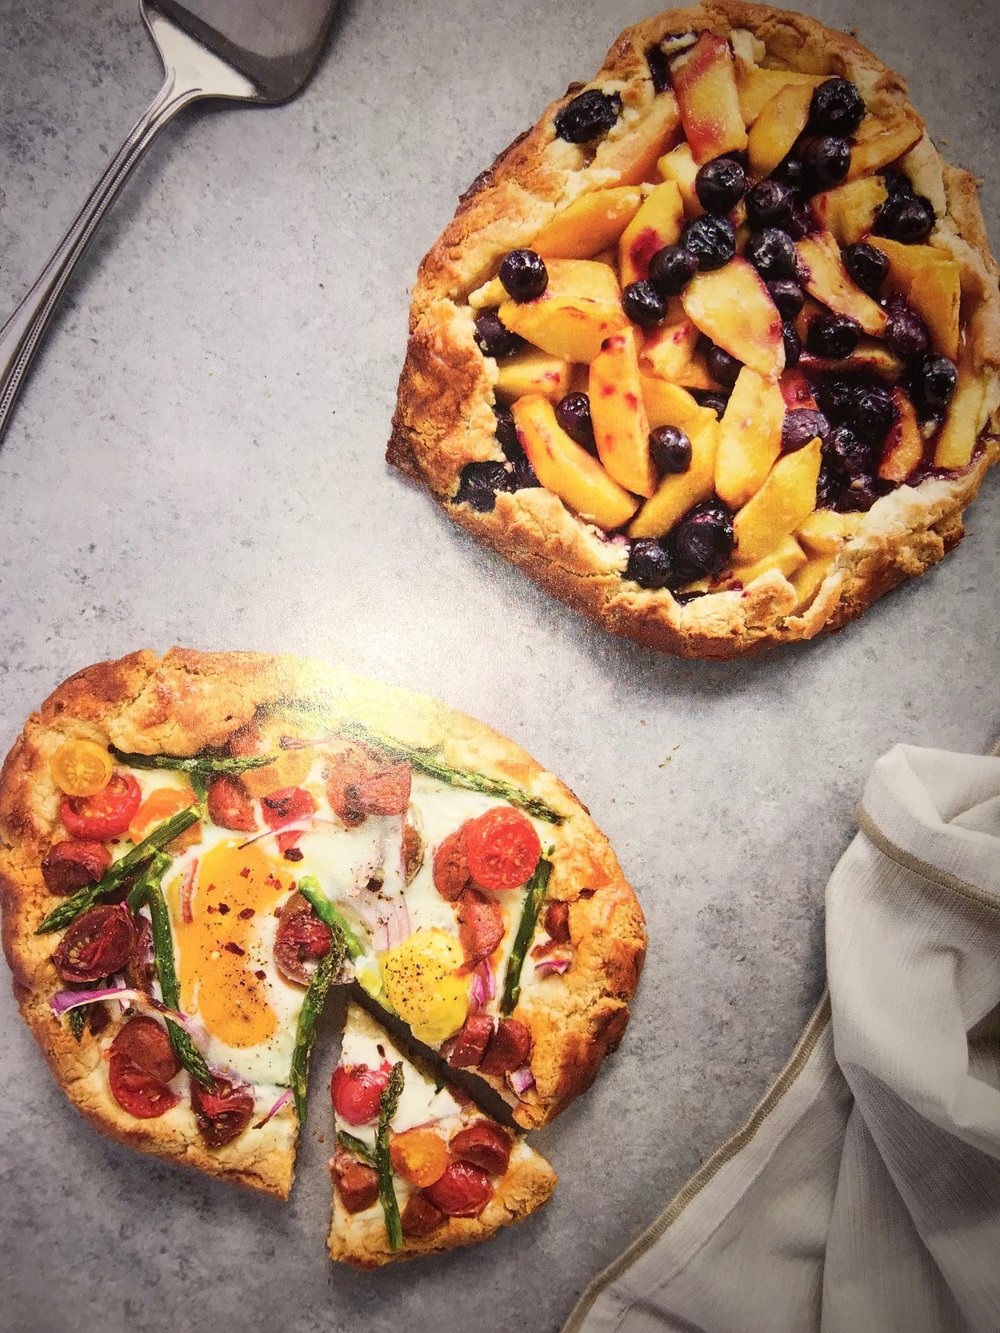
(212, 910)
(245, 873)
(246, 914)
(260, 974)
(273, 882)
(224, 909)
(293, 854)
(211, 888)
(235, 948)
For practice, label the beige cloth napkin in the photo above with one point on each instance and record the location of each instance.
(863, 1195)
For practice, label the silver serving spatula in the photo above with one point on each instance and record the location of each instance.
(260, 51)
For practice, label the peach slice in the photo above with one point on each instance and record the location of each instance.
(567, 470)
(829, 282)
(956, 441)
(669, 405)
(751, 437)
(782, 503)
(657, 223)
(786, 558)
(680, 491)
(589, 224)
(870, 357)
(825, 531)
(808, 580)
(667, 349)
(731, 306)
(489, 295)
(680, 167)
(704, 79)
(877, 143)
(579, 308)
(695, 374)
(848, 211)
(633, 155)
(931, 282)
(796, 390)
(532, 372)
(756, 87)
(779, 124)
(903, 451)
(621, 427)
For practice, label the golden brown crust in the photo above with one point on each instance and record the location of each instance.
(187, 701)
(444, 420)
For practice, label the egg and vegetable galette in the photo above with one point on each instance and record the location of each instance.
(712, 351)
(194, 849)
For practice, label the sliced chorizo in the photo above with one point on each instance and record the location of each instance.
(484, 1145)
(480, 925)
(356, 1182)
(471, 1042)
(71, 865)
(509, 1048)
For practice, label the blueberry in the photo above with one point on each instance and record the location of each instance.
(828, 486)
(722, 367)
(670, 449)
(720, 185)
(867, 265)
(650, 564)
(837, 108)
(833, 336)
(906, 218)
(788, 296)
(772, 253)
(479, 483)
(790, 172)
(858, 494)
(769, 204)
(711, 240)
(906, 333)
(659, 68)
(896, 182)
(871, 413)
(506, 433)
(524, 275)
(523, 474)
(589, 114)
(801, 425)
(844, 455)
(493, 338)
(938, 378)
(573, 414)
(643, 304)
(793, 344)
(801, 222)
(671, 269)
(825, 161)
(709, 398)
(836, 400)
(703, 539)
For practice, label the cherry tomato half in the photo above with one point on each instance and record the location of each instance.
(81, 768)
(356, 1090)
(137, 1091)
(301, 938)
(146, 1044)
(287, 805)
(419, 1156)
(502, 847)
(222, 1113)
(104, 815)
(99, 942)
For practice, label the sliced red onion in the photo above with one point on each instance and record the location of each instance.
(279, 1105)
(297, 826)
(521, 1080)
(484, 985)
(187, 891)
(551, 967)
(65, 1000)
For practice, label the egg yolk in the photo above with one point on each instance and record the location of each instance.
(216, 965)
(421, 982)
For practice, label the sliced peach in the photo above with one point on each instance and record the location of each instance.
(669, 405)
(756, 87)
(870, 357)
(731, 306)
(848, 211)
(796, 390)
(786, 558)
(704, 79)
(621, 427)
(808, 580)
(635, 153)
(931, 282)
(751, 437)
(580, 307)
(877, 143)
(489, 295)
(566, 469)
(903, 451)
(956, 441)
(695, 374)
(589, 224)
(779, 124)
(781, 504)
(680, 491)
(668, 348)
(825, 531)
(680, 167)
(657, 223)
(532, 372)
(829, 282)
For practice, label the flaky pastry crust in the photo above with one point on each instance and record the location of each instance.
(186, 701)
(444, 417)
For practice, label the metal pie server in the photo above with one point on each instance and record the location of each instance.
(243, 50)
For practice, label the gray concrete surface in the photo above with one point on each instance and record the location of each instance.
(198, 459)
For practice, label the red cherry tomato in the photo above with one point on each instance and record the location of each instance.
(451, 866)
(287, 805)
(106, 814)
(137, 1091)
(356, 1090)
(145, 1042)
(463, 1191)
(99, 942)
(229, 805)
(70, 865)
(222, 1113)
(502, 847)
(301, 938)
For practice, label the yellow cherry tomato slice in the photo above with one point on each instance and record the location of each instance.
(419, 1156)
(160, 805)
(81, 768)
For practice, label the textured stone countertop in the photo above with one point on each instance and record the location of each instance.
(197, 459)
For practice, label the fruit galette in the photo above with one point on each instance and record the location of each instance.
(713, 351)
(194, 849)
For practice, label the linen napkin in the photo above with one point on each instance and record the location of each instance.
(863, 1194)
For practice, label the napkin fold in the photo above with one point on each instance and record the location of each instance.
(863, 1194)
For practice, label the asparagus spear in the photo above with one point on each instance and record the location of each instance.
(535, 896)
(353, 1145)
(388, 1102)
(121, 871)
(148, 892)
(309, 887)
(305, 1034)
(206, 765)
(78, 1020)
(424, 761)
